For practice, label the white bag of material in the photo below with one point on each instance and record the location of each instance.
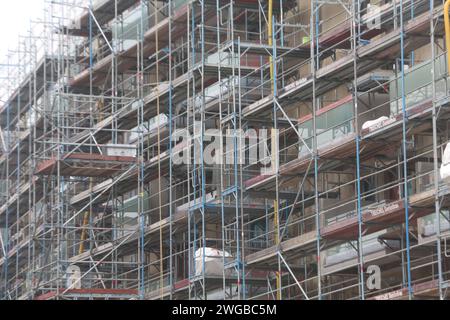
(445, 167)
(373, 123)
(214, 261)
(73, 276)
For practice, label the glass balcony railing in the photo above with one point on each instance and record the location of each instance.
(127, 32)
(346, 252)
(429, 224)
(331, 125)
(419, 85)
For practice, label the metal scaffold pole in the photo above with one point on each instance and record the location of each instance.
(355, 43)
(404, 151)
(437, 204)
(237, 149)
(314, 25)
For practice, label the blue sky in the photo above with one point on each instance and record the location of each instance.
(14, 20)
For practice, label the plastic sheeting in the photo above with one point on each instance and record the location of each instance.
(370, 124)
(430, 229)
(73, 276)
(445, 167)
(213, 259)
(351, 253)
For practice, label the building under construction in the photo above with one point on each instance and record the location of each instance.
(350, 196)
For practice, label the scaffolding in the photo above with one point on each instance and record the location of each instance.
(226, 149)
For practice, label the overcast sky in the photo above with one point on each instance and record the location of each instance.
(14, 20)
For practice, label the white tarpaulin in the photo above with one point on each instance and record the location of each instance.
(373, 123)
(445, 167)
(213, 259)
(73, 276)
